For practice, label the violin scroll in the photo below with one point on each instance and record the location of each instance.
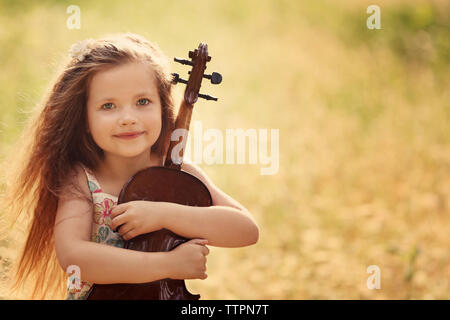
(199, 57)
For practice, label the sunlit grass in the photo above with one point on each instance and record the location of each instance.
(364, 136)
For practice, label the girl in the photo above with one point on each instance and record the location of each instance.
(109, 114)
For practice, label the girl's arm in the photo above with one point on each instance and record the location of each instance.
(225, 224)
(105, 264)
(100, 263)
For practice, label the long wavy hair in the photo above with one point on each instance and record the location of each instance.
(54, 140)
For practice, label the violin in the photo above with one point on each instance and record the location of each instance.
(166, 183)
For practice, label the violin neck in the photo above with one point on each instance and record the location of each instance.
(180, 135)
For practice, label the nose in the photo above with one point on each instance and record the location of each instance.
(126, 118)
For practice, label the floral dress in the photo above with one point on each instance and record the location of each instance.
(101, 233)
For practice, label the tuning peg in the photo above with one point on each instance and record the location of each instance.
(183, 61)
(207, 97)
(176, 78)
(215, 77)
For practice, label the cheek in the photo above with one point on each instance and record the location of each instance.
(155, 122)
(98, 127)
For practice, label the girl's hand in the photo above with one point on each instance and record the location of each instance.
(189, 260)
(134, 218)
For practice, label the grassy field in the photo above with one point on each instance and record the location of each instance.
(363, 117)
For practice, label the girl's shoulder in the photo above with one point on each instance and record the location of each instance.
(75, 186)
(81, 173)
(88, 178)
(85, 171)
(193, 169)
(219, 197)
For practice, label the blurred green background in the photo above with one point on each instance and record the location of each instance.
(363, 117)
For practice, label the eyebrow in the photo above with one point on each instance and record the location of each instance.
(145, 93)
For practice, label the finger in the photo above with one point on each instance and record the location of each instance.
(117, 210)
(125, 228)
(199, 241)
(117, 222)
(129, 235)
(205, 250)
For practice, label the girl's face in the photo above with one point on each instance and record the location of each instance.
(124, 99)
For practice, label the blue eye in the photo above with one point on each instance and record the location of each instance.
(106, 104)
(146, 101)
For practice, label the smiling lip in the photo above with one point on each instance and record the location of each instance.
(129, 135)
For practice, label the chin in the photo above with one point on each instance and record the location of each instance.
(128, 153)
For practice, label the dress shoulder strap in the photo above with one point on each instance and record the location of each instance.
(94, 186)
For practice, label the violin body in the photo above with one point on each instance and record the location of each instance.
(156, 184)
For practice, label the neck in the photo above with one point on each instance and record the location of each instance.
(116, 168)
